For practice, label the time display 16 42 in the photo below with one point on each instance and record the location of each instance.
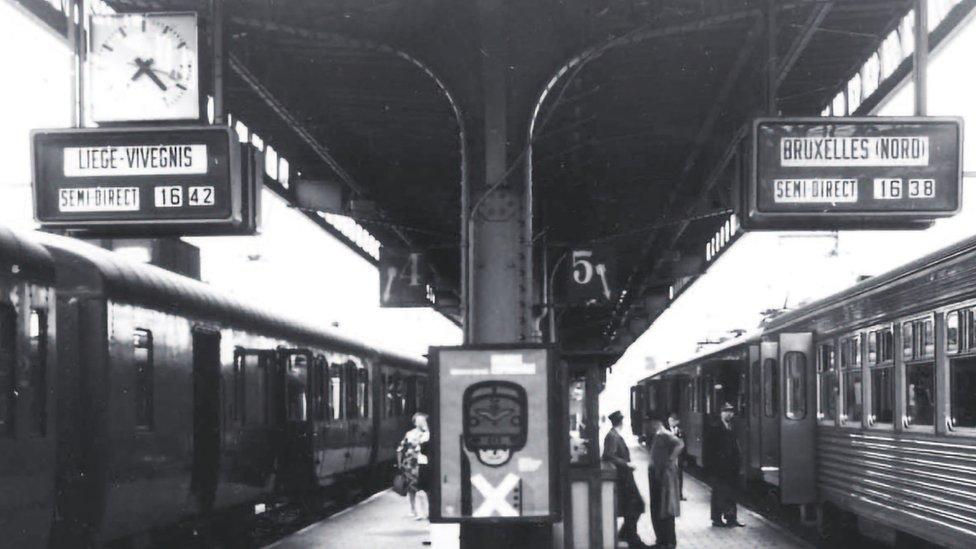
(144, 67)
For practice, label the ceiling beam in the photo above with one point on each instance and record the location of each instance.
(799, 44)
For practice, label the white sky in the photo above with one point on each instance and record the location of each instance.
(766, 270)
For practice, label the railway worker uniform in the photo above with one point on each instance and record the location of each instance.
(664, 481)
(630, 504)
(722, 460)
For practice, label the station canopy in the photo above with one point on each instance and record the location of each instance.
(631, 142)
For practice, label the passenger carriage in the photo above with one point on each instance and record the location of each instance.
(134, 400)
(859, 406)
(27, 380)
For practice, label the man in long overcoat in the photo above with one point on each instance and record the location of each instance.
(722, 461)
(630, 504)
(663, 478)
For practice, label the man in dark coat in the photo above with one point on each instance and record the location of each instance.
(662, 476)
(630, 504)
(674, 426)
(722, 461)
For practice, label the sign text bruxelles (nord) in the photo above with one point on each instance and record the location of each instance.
(853, 172)
(174, 180)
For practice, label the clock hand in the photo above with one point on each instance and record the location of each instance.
(156, 79)
(145, 67)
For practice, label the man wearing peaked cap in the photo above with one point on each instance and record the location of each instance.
(722, 460)
(630, 504)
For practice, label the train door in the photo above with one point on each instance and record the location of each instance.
(769, 446)
(637, 410)
(360, 431)
(206, 416)
(296, 462)
(755, 408)
(798, 418)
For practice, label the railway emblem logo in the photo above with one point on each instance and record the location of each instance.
(495, 420)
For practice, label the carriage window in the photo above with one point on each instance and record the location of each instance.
(399, 397)
(143, 361)
(237, 406)
(410, 396)
(651, 400)
(952, 332)
(689, 403)
(388, 394)
(907, 341)
(920, 393)
(851, 367)
(38, 372)
(873, 338)
(770, 387)
(704, 395)
(795, 364)
(362, 393)
(971, 328)
(962, 391)
(255, 389)
(756, 388)
(743, 403)
(335, 393)
(926, 335)
(8, 343)
(883, 393)
(319, 381)
(886, 345)
(296, 381)
(352, 390)
(827, 382)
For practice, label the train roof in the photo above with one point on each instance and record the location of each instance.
(874, 283)
(128, 281)
(711, 353)
(791, 318)
(24, 257)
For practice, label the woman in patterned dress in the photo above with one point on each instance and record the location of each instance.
(413, 459)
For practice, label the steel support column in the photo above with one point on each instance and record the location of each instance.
(498, 229)
(499, 224)
(921, 57)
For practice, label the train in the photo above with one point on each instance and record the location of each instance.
(856, 412)
(135, 401)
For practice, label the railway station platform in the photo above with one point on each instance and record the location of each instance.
(383, 522)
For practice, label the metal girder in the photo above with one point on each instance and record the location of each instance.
(799, 45)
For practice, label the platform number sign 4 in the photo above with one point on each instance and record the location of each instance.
(589, 276)
(404, 279)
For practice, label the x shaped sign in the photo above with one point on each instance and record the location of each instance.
(495, 497)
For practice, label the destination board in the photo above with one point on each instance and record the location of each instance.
(853, 172)
(175, 180)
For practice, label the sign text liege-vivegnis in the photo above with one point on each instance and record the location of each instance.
(135, 160)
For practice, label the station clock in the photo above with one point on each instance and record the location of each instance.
(144, 67)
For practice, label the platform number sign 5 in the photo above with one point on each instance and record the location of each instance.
(589, 276)
(404, 279)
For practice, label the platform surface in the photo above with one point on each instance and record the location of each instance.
(384, 522)
(694, 527)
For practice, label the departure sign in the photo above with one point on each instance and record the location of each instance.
(853, 172)
(183, 180)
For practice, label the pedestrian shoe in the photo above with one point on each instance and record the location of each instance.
(718, 524)
(735, 524)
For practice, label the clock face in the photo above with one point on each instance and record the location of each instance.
(144, 67)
